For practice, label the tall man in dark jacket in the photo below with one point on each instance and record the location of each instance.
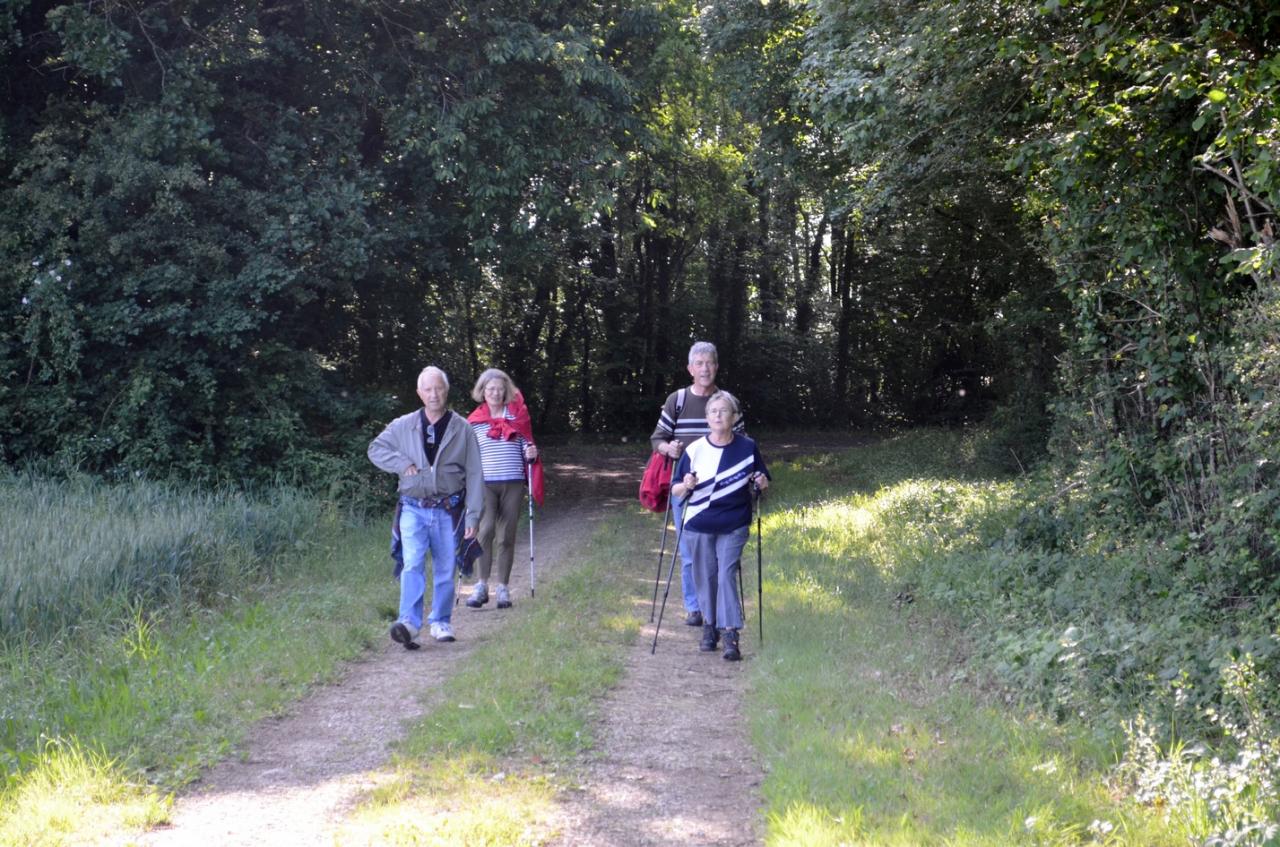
(436, 456)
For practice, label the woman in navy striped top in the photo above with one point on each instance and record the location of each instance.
(716, 476)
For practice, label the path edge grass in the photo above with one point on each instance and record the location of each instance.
(122, 714)
(508, 729)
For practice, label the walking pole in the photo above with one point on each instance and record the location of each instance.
(657, 577)
(459, 555)
(670, 572)
(666, 519)
(742, 595)
(529, 476)
(759, 569)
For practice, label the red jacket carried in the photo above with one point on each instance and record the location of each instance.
(506, 430)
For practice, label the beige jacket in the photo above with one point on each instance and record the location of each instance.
(457, 464)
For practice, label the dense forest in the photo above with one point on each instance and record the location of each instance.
(233, 232)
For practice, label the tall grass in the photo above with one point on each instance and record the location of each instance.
(72, 549)
(115, 716)
(144, 625)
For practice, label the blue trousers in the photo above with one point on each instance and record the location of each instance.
(715, 568)
(424, 531)
(687, 585)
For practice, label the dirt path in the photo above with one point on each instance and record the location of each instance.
(301, 773)
(673, 766)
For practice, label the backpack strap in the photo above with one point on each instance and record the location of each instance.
(679, 403)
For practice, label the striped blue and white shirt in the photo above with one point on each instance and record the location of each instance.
(503, 461)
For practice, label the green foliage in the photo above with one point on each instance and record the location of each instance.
(1217, 800)
(229, 229)
(1138, 197)
(948, 307)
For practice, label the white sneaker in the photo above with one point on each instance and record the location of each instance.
(441, 631)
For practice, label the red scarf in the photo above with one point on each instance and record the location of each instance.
(503, 429)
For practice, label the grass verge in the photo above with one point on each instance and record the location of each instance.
(118, 715)
(874, 727)
(484, 766)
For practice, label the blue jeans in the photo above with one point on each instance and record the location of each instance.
(687, 585)
(426, 531)
(717, 561)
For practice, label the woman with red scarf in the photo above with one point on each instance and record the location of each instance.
(507, 453)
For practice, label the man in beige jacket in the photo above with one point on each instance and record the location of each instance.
(436, 456)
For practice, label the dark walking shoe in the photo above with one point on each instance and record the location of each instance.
(694, 618)
(404, 633)
(479, 596)
(731, 652)
(710, 638)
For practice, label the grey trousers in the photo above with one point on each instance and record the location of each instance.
(715, 571)
(497, 532)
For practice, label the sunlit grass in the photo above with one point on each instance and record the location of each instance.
(76, 796)
(875, 728)
(464, 799)
(163, 692)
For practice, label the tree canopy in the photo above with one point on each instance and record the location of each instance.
(233, 232)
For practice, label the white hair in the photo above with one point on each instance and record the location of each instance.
(432, 370)
(704, 348)
(728, 398)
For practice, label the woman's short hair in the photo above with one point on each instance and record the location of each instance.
(704, 348)
(508, 387)
(430, 370)
(726, 397)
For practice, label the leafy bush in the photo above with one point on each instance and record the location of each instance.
(1222, 800)
(1096, 621)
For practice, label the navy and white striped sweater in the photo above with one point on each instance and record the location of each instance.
(721, 501)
